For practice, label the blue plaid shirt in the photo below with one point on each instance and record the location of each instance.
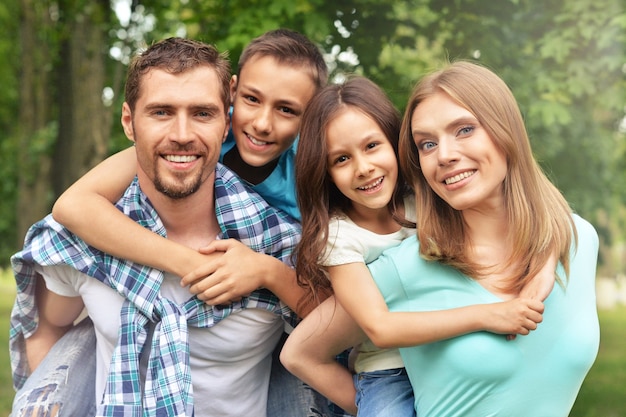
(242, 215)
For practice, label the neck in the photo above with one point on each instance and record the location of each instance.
(190, 221)
(252, 174)
(378, 221)
(488, 245)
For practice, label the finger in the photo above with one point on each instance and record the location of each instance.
(203, 272)
(217, 246)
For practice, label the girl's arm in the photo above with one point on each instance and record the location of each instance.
(311, 349)
(86, 208)
(360, 297)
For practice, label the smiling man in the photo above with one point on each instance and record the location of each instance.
(160, 350)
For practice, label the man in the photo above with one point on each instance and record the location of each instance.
(211, 361)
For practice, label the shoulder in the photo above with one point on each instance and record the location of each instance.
(584, 229)
(235, 200)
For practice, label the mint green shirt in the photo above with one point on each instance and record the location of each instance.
(482, 374)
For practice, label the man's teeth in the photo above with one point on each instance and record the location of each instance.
(458, 177)
(375, 184)
(181, 158)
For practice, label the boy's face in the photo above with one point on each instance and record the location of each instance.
(269, 99)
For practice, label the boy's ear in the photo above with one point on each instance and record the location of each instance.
(227, 129)
(127, 122)
(233, 88)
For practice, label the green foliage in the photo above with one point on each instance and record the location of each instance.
(564, 61)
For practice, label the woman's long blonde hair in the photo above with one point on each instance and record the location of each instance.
(539, 216)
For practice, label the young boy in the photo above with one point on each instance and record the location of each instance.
(260, 148)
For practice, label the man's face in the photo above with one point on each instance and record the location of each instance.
(268, 98)
(178, 125)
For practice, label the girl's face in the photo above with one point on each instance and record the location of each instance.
(361, 161)
(458, 159)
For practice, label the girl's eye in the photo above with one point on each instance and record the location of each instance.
(340, 160)
(251, 99)
(286, 110)
(372, 145)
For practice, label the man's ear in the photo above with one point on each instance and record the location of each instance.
(127, 122)
(233, 88)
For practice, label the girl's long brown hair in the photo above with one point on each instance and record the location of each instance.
(318, 197)
(540, 218)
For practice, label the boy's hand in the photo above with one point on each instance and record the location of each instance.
(226, 278)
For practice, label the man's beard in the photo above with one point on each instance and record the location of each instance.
(179, 190)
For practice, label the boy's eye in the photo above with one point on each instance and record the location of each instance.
(286, 110)
(251, 99)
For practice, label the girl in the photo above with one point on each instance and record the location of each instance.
(487, 220)
(354, 204)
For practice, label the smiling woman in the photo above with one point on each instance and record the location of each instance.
(490, 219)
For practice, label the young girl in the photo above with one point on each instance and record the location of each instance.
(354, 204)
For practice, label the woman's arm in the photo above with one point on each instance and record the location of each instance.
(357, 292)
(311, 349)
(86, 208)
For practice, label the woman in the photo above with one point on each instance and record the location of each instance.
(487, 220)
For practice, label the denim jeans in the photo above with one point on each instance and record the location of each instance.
(64, 383)
(290, 397)
(386, 393)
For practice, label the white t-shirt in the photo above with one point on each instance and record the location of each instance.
(230, 362)
(350, 243)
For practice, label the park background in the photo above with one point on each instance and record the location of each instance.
(64, 62)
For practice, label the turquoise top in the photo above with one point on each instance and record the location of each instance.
(279, 188)
(482, 374)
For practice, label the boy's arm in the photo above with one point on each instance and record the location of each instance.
(311, 349)
(107, 229)
(359, 295)
(240, 270)
(56, 316)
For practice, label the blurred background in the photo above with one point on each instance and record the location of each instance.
(64, 63)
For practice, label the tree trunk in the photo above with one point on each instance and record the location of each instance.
(84, 121)
(36, 126)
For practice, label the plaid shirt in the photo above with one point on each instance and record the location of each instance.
(242, 215)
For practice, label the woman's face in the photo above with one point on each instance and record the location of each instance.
(361, 161)
(458, 159)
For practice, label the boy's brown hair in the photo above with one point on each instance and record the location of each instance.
(288, 47)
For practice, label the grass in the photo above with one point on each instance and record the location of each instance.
(601, 394)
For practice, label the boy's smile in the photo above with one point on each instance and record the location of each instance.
(269, 98)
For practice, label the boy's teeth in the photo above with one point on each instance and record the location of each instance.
(257, 142)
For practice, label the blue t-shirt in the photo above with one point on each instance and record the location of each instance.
(279, 188)
(482, 374)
